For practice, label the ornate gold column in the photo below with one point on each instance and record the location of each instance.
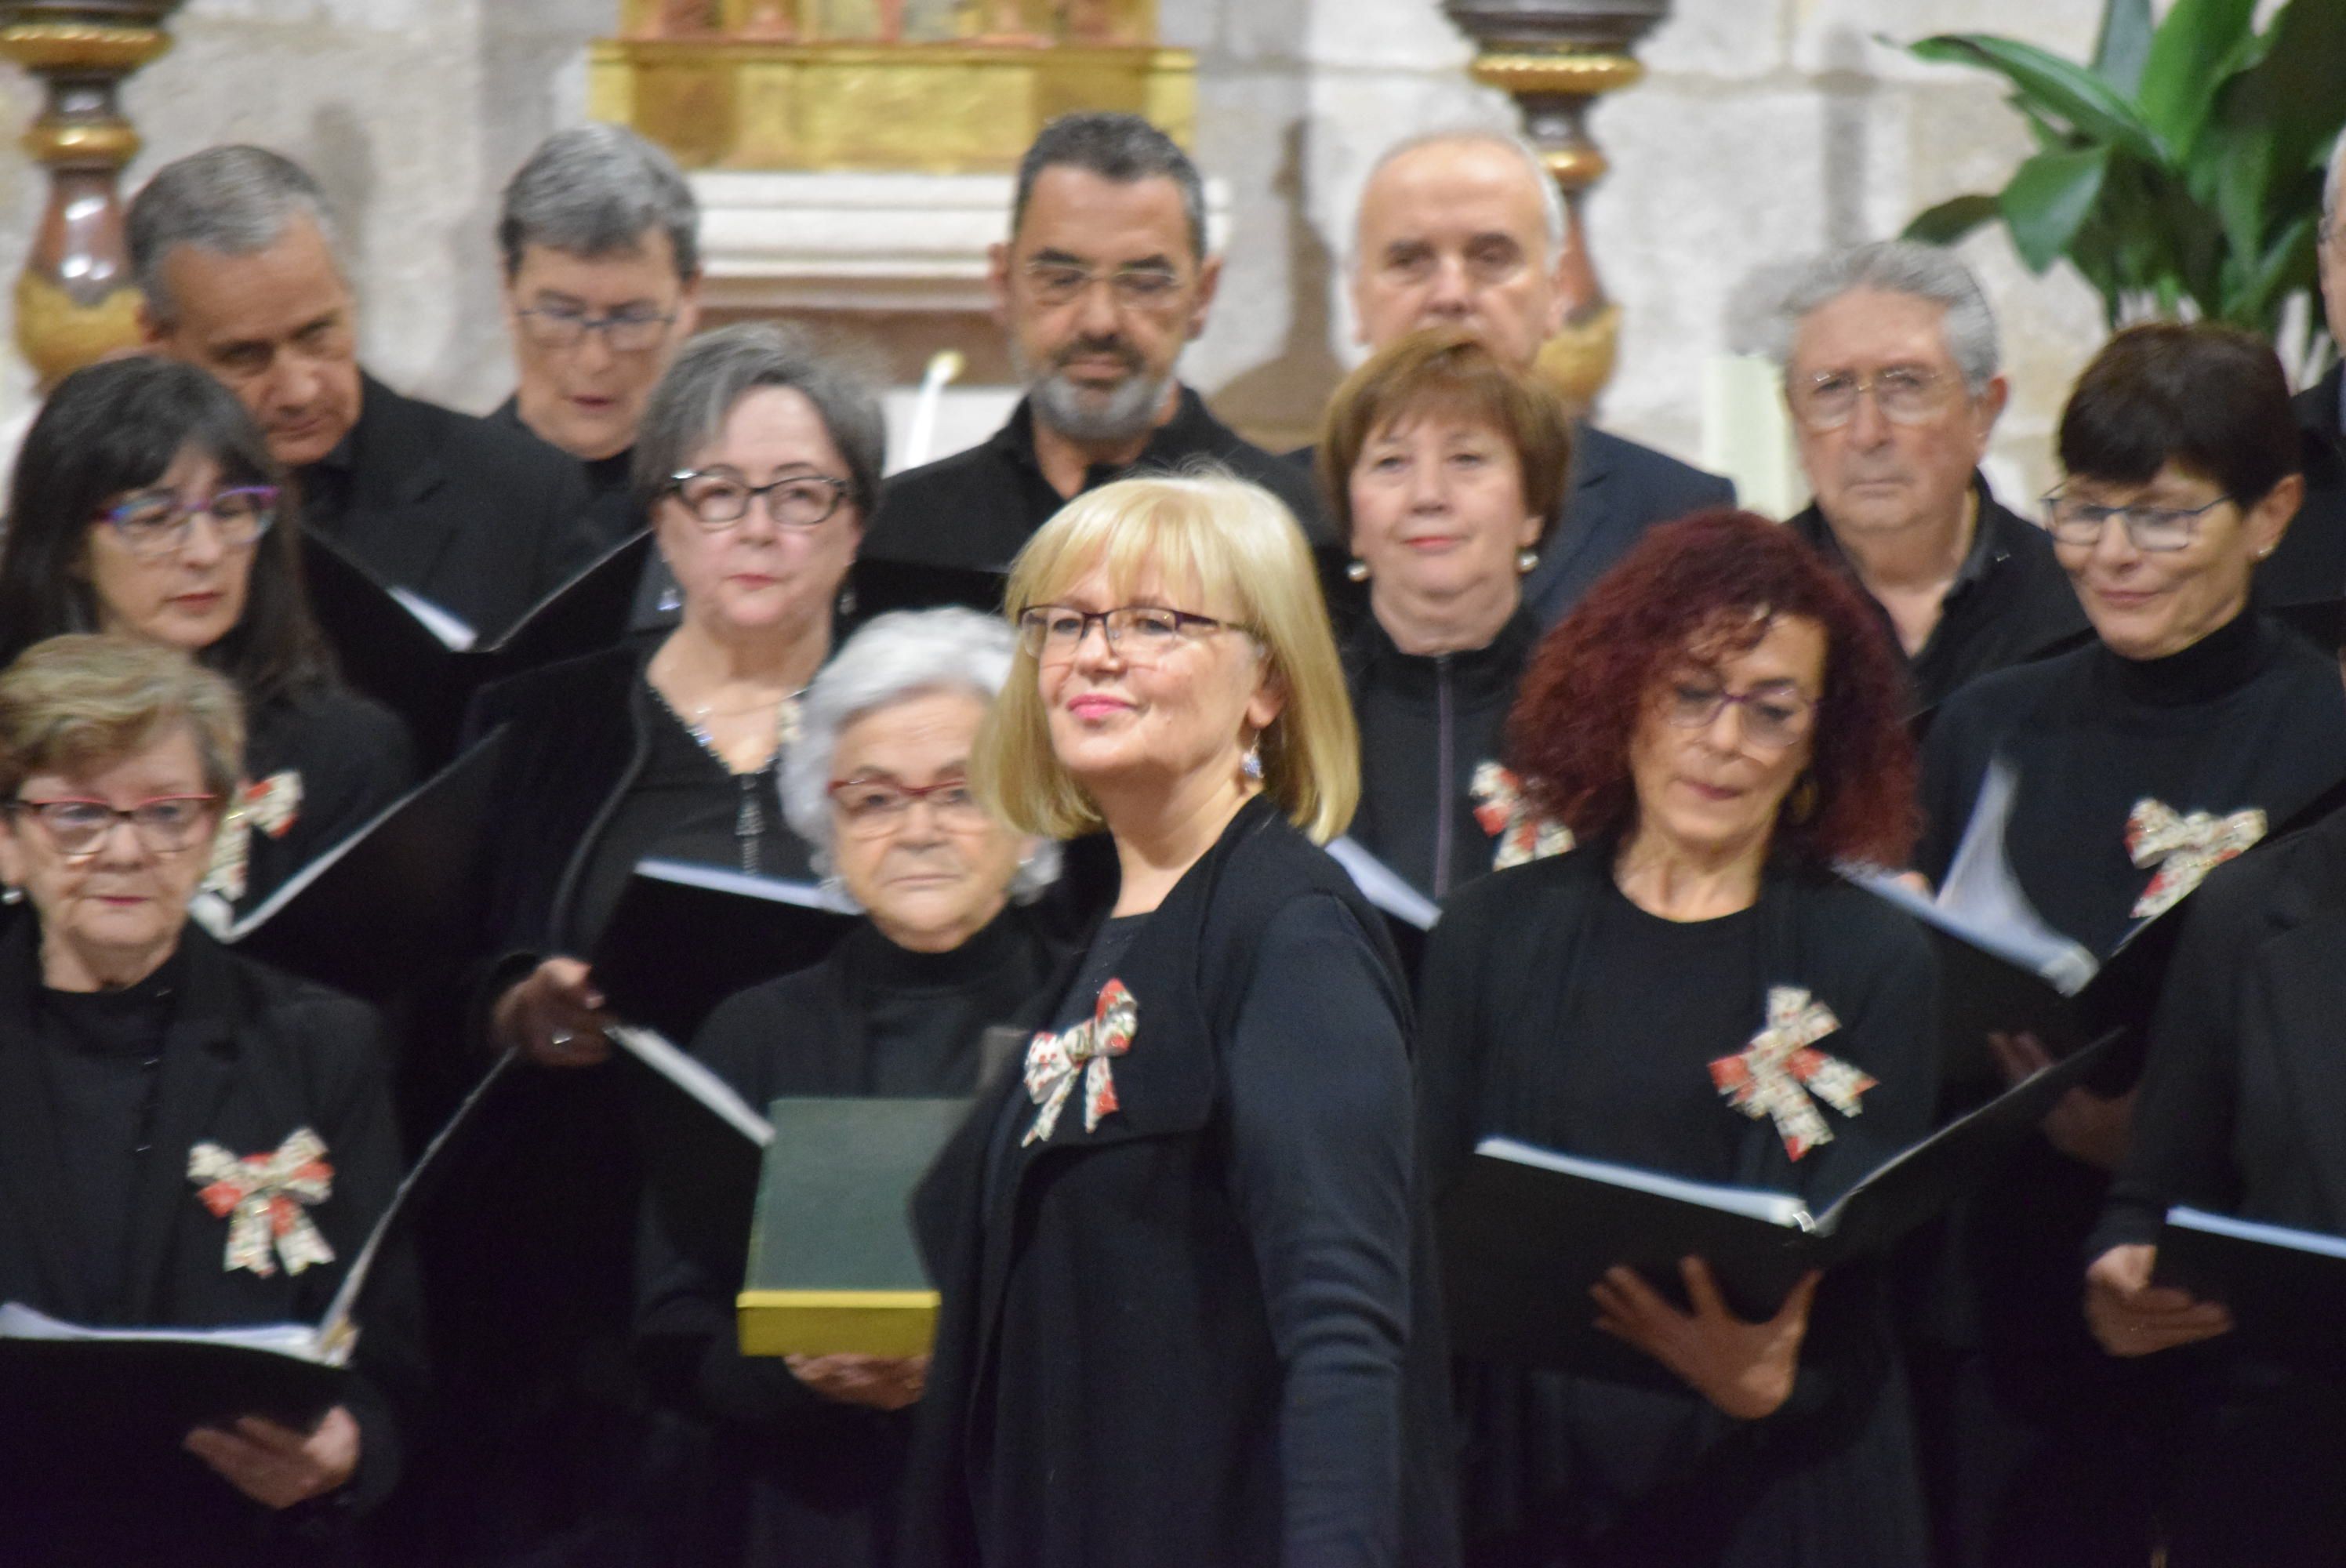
(1554, 58)
(75, 301)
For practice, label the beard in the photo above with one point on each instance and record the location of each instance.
(1087, 413)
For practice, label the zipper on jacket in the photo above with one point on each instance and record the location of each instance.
(1445, 774)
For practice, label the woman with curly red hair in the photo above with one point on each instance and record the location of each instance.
(1719, 724)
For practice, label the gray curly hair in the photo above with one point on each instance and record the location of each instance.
(903, 654)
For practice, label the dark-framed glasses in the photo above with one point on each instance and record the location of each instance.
(1139, 634)
(166, 824)
(874, 807)
(1772, 716)
(1907, 394)
(1138, 287)
(718, 499)
(627, 332)
(2073, 520)
(151, 523)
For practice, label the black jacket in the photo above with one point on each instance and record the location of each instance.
(1616, 491)
(610, 516)
(251, 1055)
(2010, 602)
(354, 757)
(480, 520)
(1105, 1338)
(2310, 566)
(1427, 722)
(976, 508)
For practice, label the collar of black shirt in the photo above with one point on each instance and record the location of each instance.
(1985, 550)
(1192, 432)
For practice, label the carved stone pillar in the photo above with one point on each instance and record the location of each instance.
(75, 300)
(1555, 57)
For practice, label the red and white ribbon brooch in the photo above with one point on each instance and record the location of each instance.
(1775, 1074)
(1052, 1062)
(2183, 849)
(262, 1197)
(271, 805)
(1506, 814)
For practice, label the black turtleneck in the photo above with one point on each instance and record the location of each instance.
(1427, 721)
(2248, 718)
(102, 1055)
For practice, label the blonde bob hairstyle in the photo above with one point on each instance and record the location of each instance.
(81, 702)
(1214, 545)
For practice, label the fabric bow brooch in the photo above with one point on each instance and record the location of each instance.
(1506, 814)
(1775, 1074)
(271, 805)
(1053, 1061)
(262, 1197)
(2183, 849)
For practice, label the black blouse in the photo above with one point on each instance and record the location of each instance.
(353, 758)
(1427, 721)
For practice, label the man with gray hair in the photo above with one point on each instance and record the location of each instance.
(1104, 280)
(234, 251)
(600, 238)
(1890, 370)
(2309, 566)
(1466, 229)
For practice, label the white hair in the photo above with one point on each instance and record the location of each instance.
(2330, 179)
(1891, 267)
(1552, 214)
(901, 654)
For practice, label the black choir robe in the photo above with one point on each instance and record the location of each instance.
(1107, 1388)
(249, 1056)
(785, 1475)
(2242, 1110)
(1828, 1479)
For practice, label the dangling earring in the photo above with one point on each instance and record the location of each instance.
(1356, 570)
(1251, 763)
(846, 600)
(1525, 561)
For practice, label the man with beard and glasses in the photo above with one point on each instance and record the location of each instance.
(1104, 278)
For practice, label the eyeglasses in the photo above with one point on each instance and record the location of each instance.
(166, 824)
(1771, 718)
(718, 500)
(627, 332)
(1139, 634)
(1132, 288)
(875, 807)
(2073, 520)
(1907, 394)
(155, 522)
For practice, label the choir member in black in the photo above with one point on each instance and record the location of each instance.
(2167, 744)
(133, 1051)
(1719, 723)
(757, 461)
(1443, 467)
(807, 1458)
(1186, 1307)
(145, 503)
(2239, 1114)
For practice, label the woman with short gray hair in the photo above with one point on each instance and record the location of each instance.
(878, 783)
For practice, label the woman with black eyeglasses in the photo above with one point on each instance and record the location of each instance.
(145, 503)
(2190, 727)
(757, 461)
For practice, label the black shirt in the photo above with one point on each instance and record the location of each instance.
(977, 508)
(1427, 721)
(351, 756)
(611, 516)
(2010, 602)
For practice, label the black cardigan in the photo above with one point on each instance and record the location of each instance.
(251, 1055)
(1103, 1303)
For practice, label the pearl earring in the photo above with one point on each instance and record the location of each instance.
(1357, 571)
(1525, 561)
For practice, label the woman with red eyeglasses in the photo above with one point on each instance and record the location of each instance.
(145, 503)
(811, 1453)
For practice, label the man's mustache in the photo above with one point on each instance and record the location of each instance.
(1092, 348)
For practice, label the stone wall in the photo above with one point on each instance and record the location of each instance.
(1766, 128)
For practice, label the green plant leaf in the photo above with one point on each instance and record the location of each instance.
(2048, 198)
(2195, 52)
(1951, 220)
(2125, 46)
(2272, 124)
(2289, 265)
(2061, 88)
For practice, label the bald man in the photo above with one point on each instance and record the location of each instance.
(1466, 229)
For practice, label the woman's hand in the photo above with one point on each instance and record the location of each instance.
(1745, 1369)
(876, 1382)
(2086, 1126)
(275, 1465)
(2131, 1316)
(555, 1017)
